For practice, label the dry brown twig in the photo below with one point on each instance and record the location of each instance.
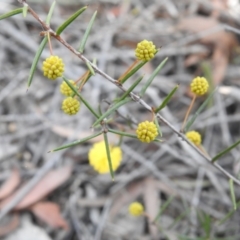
(134, 97)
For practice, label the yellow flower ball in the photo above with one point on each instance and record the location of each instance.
(199, 86)
(194, 137)
(145, 50)
(98, 157)
(146, 131)
(53, 67)
(136, 209)
(65, 89)
(70, 105)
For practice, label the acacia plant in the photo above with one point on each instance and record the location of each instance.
(103, 156)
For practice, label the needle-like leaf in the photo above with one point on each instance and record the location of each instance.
(70, 20)
(13, 12)
(87, 32)
(36, 59)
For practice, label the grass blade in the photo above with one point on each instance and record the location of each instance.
(110, 110)
(200, 109)
(229, 214)
(87, 32)
(70, 20)
(130, 73)
(49, 16)
(76, 142)
(12, 13)
(162, 209)
(130, 89)
(81, 98)
(232, 194)
(35, 60)
(225, 151)
(108, 155)
(153, 75)
(166, 100)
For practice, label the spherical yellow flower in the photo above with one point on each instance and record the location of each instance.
(98, 157)
(70, 105)
(65, 89)
(53, 67)
(146, 131)
(136, 209)
(145, 50)
(194, 137)
(199, 86)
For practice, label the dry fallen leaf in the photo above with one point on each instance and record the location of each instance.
(50, 182)
(221, 42)
(49, 212)
(152, 203)
(132, 192)
(10, 226)
(11, 183)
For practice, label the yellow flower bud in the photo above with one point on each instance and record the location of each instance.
(146, 131)
(194, 137)
(65, 89)
(136, 209)
(53, 67)
(145, 50)
(199, 86)
(98, 157)
(70, 105)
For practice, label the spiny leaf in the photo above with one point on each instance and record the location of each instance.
(228, 215)
(232, 194)
(70, 20)
(49, 16)
(76, 142)
(25, 10)
(87, 32)
(110, 110)
(166, 100)
(125, 134)
(200, 109)
(153, 75)
(36, 59)
(81, 98)
(158, 126)
(130, 89)
(12, 13)
(162, 209)
(90, 68)
(108, 155)
(225, 151)
(130, 73)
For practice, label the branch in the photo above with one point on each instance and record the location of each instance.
(134, 96)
